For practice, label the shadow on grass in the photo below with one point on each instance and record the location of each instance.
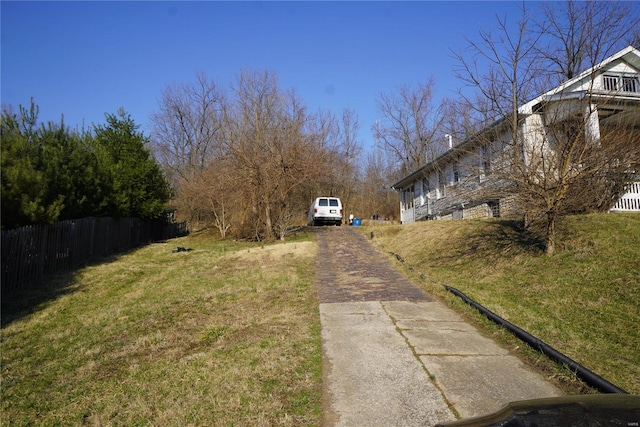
(497, 240)
(512, 235)
(17, 304)
(23, 302)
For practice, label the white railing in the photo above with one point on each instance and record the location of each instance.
(630, 201)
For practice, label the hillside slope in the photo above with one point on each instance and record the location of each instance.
(584, 301)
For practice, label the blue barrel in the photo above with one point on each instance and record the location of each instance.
(357, 222)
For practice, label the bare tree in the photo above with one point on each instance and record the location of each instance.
(574, 167)
(187, 126)
(219, 187)
(245, 161)
(578, 34)
(460, 119)
(408, 129)
(267, 137)
(377, 198)
(345, 159)
(500, 68)
(185, 138)
(587, 169)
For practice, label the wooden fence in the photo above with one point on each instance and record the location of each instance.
(32, 253)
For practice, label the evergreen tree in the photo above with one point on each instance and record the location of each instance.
(26, 198)
(51, 174)
(138, 187)
(73, 171)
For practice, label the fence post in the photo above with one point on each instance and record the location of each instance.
(44, 233)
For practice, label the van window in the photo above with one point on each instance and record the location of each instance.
(323, 202)
(333, 202)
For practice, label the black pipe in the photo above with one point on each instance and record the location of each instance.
(585, 374)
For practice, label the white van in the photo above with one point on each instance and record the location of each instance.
(325, 210)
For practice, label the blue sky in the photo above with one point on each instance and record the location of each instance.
(85, 59)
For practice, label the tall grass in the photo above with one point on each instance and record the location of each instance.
(585, 301)
(224, 335)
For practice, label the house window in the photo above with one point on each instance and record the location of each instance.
(426, 189)
(426, 186)
(486, 159)
(455, 173)
(494, 208)
(624, 83)
(485, 162)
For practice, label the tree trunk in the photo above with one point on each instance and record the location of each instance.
(550, 246)
(268, 230)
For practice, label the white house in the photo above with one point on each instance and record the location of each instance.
(454, 185)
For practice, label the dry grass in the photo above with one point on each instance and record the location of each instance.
(224, 335)
(584, 301)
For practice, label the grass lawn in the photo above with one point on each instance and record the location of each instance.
(227, 334)
(585, 301)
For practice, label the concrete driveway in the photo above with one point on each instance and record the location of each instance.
(394, 356)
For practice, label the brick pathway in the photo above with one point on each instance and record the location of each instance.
(349, 270)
